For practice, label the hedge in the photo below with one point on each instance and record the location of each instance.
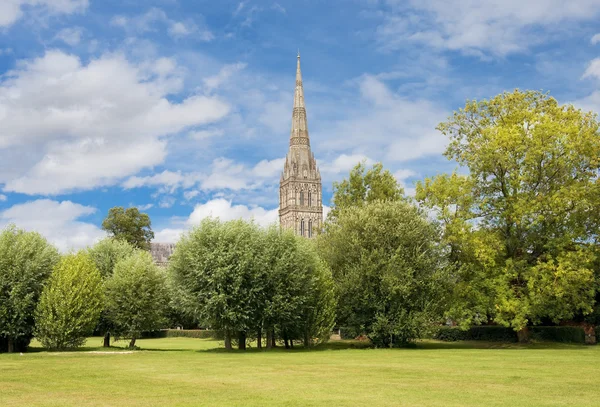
(185, 333)
(571, 334)
(476, 333)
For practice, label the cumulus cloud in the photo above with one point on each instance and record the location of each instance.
(593, 69)
(70, 36)
(225, 211)
(57, 221)
(13, 10)
(477, 27)
(595, 39)
(89, 125)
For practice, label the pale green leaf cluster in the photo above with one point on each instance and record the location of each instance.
(26, 261)
(70, 304)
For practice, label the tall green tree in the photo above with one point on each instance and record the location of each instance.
(106, 254)
(70, 304)
(216, 265)
(129, 225)
(136, 296)
(523, 218)
(363, 186)
(26, 261)
(388, 269)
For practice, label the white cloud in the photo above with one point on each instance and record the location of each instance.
(12, 10)
(57, 221)
(168, 179)
(401, 176)
(344, 163)
(205, 134)
(168, 235)
(223, 76)
(90, 125)
(190, 195)
(71, 36)
(269, 168)
(593, 69)
(144, 207)
(3, 198)
(478, 27)
(595, 39)
(225, 211)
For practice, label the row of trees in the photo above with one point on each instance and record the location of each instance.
(511, 238)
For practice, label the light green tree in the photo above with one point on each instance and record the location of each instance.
(129, 225)
(520, 224)
(106, 254)
(70, 304)
(363, 186)
(136, 296)
(26, 261)
(389, 272)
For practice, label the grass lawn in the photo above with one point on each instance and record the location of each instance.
(198, 372)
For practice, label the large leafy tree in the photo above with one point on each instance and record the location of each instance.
(106, 254)
(136, 296)
(521, 224)
(363, 186)
(129, 225)
(216, 265)
(26, 261)
(70, 304)
(389, 272)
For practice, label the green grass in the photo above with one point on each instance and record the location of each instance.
(198, 372)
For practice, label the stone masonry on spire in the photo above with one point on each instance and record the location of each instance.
(300, 190)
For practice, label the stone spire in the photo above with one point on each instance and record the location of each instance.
(300, 191)
(299, 132)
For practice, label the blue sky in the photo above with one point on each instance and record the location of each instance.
(183, 107)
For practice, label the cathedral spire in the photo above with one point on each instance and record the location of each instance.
(299, 132)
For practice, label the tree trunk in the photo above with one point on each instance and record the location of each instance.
(107, 340)
(242, 341)
(227, 340)
(132, 343)
(523, 335)
(11, 345)
(306, 339)
(285, 340)
(259, 338)
(291, 344)
(269, 339)
(273, 339)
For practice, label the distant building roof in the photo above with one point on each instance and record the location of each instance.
(161, 252)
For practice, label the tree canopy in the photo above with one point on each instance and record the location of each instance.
(26, 261)
(70, 304)
(520, 223)
(363, 186)
(129, 225)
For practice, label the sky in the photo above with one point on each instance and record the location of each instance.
(183, 107)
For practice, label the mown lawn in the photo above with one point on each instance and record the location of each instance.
(198, 372)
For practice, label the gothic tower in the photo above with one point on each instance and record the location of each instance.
(300, 200)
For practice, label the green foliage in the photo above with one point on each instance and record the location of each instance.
(108, 252)
(26, 261)
(70, 304)
(476, 333)
(569, 334)
(129, 225)
(363, 187)
(194, 333)
(136, 296)
(242, 280)
(388, 269)
(518, 228)
(349, 332)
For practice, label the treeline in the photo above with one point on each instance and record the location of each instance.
(508, 239)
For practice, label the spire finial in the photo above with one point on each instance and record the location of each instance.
(298, 53)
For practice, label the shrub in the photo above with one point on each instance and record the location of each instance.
(476, 333)
(570, 334)
(70, 304)
(349, 332)
(195, 333)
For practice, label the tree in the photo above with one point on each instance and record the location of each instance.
(363, 187)
(106, 254)
(389, 272)
(216, 265)
(26, 261)
(129, 225)
(523, 219)
(70, 304)
(136, 296)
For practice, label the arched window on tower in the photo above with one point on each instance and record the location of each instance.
(302, 227)
(310, 228)
(301, 198)
(309, 198)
